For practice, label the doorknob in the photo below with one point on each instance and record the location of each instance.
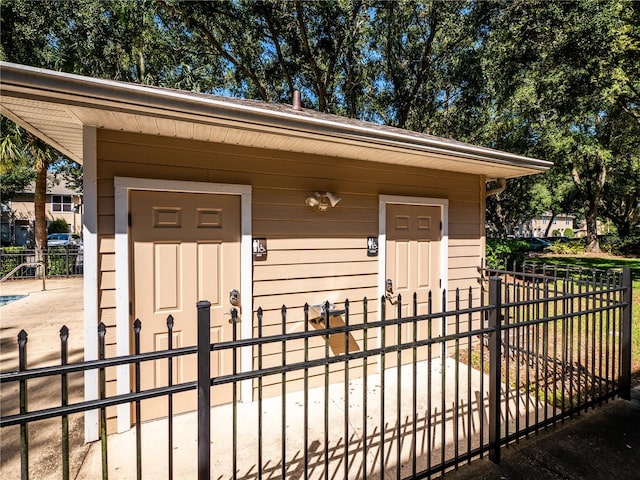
(389, 292)
(389, 286)
(234, 298)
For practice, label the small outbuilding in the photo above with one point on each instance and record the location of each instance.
(190, 196)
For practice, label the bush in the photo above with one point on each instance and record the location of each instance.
(11, 258)
(502, 253)
(568, 232)
(58, 226)
(61, 260)
(620, 245)
(567, 248)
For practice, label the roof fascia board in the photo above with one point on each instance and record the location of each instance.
(250, 125)
(91, 92)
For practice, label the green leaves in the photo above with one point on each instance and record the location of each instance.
(558, 70)
(549, 79)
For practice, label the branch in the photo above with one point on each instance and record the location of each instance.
(424, 65)
(338, 50)
(633, 89)
(632, 113)
(575, 175)
(274, 36)
(193, 23)
(322, 101)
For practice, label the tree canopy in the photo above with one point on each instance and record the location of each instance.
(553, 80)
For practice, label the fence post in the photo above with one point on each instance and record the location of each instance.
(625, 337)
(204, 390)
(102, 393)
(24, 433)
(64, 387)
(495, 287)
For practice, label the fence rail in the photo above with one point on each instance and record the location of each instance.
(365, 391)
(59, 261)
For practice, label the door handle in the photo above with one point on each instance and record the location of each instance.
(234, 298)
(236, 309)
(389, 292)
(235, 317)
(389, 286)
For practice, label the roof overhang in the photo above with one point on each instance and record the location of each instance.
(56, 106)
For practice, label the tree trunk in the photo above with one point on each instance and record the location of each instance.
(553, 217)
(624, 230)
(591, 213)
(40, 200)
(591, 191)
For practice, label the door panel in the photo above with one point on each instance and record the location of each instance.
(413, 266)
(180, 244)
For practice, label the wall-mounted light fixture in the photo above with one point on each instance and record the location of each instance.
(322, 201)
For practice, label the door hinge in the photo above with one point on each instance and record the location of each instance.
(130, 308)
(440, 281)
(129, 219)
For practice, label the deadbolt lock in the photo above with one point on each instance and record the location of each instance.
(234, 298)
(389, 292)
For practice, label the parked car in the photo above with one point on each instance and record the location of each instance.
(63, 239)
(536, 244)
(561, 239)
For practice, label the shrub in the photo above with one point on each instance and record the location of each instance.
(502, 253)
(568, 232)
(567, 248)
(58, 226)
(620, 245)
(61, 260)
(11, 258)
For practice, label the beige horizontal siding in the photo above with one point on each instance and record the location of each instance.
(312, 257)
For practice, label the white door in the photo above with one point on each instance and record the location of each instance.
(413, 266)
(186, 248)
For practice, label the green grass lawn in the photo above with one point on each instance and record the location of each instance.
(604, 263)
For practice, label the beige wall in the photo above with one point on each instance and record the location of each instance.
(310, 255)
(23, 209)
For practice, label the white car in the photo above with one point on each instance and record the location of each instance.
(62, 239)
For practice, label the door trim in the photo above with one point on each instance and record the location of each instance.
(122, 187)
(443, 203)
(90, 268)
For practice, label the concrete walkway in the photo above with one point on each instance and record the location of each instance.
(41, 314)
(363, 449)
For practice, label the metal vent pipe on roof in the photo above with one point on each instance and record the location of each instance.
(297, 101)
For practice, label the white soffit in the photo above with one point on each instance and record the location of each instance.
(55, 106)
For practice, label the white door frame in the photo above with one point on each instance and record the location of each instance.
(90, 269)
(122, 187)
(443, 203)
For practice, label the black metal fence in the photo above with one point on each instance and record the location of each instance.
(362, 390)
(58, 261)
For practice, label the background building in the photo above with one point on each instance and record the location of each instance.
(18, 214)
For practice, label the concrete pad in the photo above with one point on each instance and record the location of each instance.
(349, 451)
(41, 314)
